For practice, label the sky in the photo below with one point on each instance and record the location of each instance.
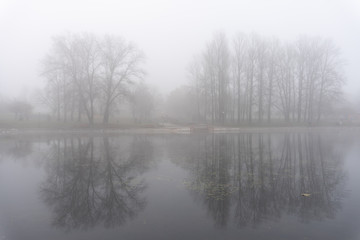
(169, 32)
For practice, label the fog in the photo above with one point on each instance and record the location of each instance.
(179, 119)
(169, 33)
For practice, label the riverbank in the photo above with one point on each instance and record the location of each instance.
(51, 127)
(171, 130)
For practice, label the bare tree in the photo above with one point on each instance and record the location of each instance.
(87, 80)
(120, 66)
(82, 67)
(271, 74)
(217, 66)
(331, 77)
(238, 66)
(71, 71)
(294, 81)
(198, 83)
(285, 81)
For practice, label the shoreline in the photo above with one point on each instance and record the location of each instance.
(173, 130)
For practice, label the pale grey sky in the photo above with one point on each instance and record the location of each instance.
(169, 32)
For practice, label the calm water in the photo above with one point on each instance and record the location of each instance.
(211, 186)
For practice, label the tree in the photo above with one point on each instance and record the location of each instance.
(273, 59)
(198, 84)
(85, 72)
(120, 66)
(210, 79)
(82, 69)
(238, 68)
(294, 81)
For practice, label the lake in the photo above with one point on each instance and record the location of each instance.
(290, 185)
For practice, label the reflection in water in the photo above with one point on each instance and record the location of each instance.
(96, 181)
(239, 180)
(16, 148)
(257, 177)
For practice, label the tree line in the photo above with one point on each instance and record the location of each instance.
(246, 80)
(256, 79)
(88, 74)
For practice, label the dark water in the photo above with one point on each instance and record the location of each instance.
(214, 186)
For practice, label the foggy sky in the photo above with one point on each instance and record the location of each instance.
(169, 32)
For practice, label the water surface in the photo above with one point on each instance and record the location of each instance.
(206, 186)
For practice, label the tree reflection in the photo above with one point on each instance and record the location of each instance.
(94, 182)
(16, 148)
(259, 177)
